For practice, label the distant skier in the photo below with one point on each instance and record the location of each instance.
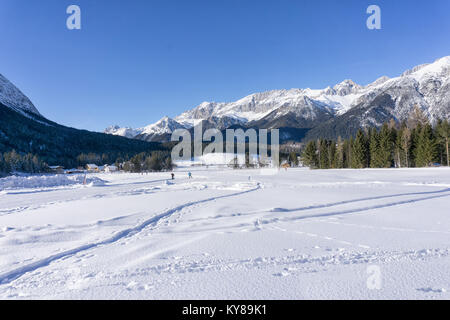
(173, 176)
(190, 175)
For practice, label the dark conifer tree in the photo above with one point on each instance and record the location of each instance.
(310, 155)
(385, 150)
(374, 147)
(443, 135)
(359, 151)
(426, 150)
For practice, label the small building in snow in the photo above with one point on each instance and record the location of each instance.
(109, 169)
(92, 167)
(57, 169)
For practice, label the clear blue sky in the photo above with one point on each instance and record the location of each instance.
(135, 61)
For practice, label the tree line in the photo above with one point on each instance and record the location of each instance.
(148, 162)
(412, 143)
(58, 145)
(143, 162)
(15, 162)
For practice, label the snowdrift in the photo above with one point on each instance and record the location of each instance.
(46, 181)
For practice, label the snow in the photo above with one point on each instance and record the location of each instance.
(439, 67)
(242, 234)
(216, 159)
(13, 98)
(124, 132)
(163, 126)
(45, 181)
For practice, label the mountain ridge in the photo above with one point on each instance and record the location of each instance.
(426, 85)
(13, 98)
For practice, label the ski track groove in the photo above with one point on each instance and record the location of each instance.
(339, 203)
(269, 220)
(112, 194)
(12, 275)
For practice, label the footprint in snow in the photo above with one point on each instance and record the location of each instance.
(431, 290)
(145, 287)
(131, 285)
(278, 210)
(281, 274)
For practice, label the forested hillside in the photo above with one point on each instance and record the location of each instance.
(32, 136)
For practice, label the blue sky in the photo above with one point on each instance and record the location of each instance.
(135, 61)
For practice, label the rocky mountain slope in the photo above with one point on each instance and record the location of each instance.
(12, 97)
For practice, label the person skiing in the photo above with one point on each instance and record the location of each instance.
(173, 176)
(190, 175)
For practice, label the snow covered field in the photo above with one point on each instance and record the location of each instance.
(228, 234)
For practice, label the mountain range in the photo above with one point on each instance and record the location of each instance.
(300, 114)
(303, 114)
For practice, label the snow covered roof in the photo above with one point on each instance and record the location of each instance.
(56, 167)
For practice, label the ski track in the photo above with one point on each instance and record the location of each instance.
(12, 275)
(339, 203)
(368, 208)
(363, 226)
(142, 191)
(361, 210)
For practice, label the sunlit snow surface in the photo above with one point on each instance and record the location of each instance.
(241, 234)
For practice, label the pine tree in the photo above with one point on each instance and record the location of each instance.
(443, 133)
(349, 155)
(374, 146)
(319, 153)
(385, 150)
(393, 126)
(310, 155)
(359, 151)
(331, 153)
(425, 151)
(324, 162)
(2, 164)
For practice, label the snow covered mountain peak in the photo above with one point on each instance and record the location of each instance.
(13, 98)
(346, 87)
(440, 67)
(124, 132)
(379, 81)
(163, 126)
